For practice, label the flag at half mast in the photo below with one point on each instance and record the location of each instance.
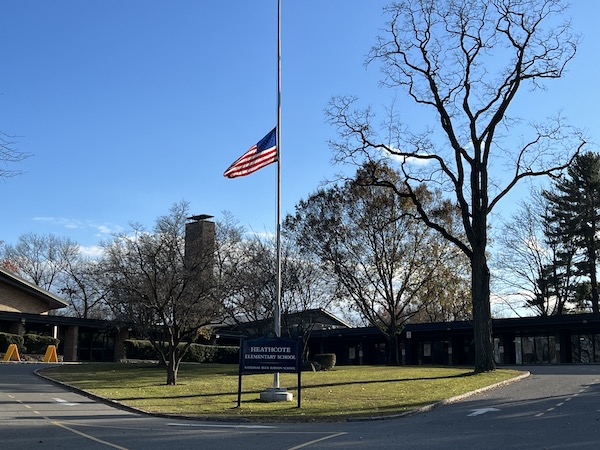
(260, 155)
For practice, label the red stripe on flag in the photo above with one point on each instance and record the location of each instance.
(251, 161)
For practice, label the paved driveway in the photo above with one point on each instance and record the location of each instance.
(556, 407)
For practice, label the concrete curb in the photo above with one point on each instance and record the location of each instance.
(131, 409)
(447, 401)
(423, 409)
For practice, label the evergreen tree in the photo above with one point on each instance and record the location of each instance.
(558, 278)
(575, 214)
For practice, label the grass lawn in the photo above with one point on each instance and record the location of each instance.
(210, 390)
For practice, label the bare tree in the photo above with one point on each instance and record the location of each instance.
(42, 259)
(247, 275)
(9, 155)
(307, 292)
(381, 257)
(251, 280)
(165, 292)
(229, 260)
(447, 297)
(85, 286)
(465, 62)
(534, 266)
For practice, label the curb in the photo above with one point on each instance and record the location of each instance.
(446, 401)
(117, 404)
(411, 412)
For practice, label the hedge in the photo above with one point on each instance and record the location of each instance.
(32, 344)
(200, 353)
(139, 349)
(7, 338)
(37, 345)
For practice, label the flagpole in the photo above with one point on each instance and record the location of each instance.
(277, 319)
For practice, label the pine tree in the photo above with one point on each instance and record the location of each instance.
(575, 213)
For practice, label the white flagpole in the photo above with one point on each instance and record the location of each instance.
(277, 319)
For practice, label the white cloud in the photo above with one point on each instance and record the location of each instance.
(93, 251)
(106, 229)
(60, 221)
(77, 224)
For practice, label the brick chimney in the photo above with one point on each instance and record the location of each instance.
(200, 247)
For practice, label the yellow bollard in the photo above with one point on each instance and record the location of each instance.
(12, 353)
(50, 355)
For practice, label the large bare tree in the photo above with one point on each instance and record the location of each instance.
(163, 287)
(385, 263)
(465, 61)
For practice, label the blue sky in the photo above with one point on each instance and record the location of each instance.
(129, 106)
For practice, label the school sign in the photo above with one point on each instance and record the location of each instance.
(270, 355)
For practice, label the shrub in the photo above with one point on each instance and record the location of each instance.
(226, 355)
(142, 349)
(37, 345)
(7, 338)
(213, 354)
(200, 353)
(139, 349)
(326, 360)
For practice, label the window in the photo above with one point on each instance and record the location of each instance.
(585, 348)
(535, 349)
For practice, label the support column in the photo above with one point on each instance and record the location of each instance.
(70, 344)
(120, 338)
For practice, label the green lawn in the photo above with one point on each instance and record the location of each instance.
(210, 390)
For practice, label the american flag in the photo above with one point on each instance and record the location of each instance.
(260, 155)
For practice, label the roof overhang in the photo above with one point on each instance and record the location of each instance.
(53, 301)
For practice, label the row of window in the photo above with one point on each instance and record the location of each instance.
(585, 348)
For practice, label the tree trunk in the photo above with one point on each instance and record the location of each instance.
(594, 284)
(172, 364)
(394, 350)
(172, 369)
(482, 316)
(593, 274)
(392, 338)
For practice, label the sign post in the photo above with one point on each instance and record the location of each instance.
(271, 355)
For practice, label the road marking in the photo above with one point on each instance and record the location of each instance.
(60, 401)
(480, 411)
(87, 436)
(550, 409)
(238, 426)
(203, 425)
(306, 444)
(560, 404)
(539, 415)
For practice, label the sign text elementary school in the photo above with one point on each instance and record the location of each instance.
(270, 355)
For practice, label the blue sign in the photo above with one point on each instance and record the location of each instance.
(270, 355)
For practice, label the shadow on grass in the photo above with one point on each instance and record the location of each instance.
(304, 388)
